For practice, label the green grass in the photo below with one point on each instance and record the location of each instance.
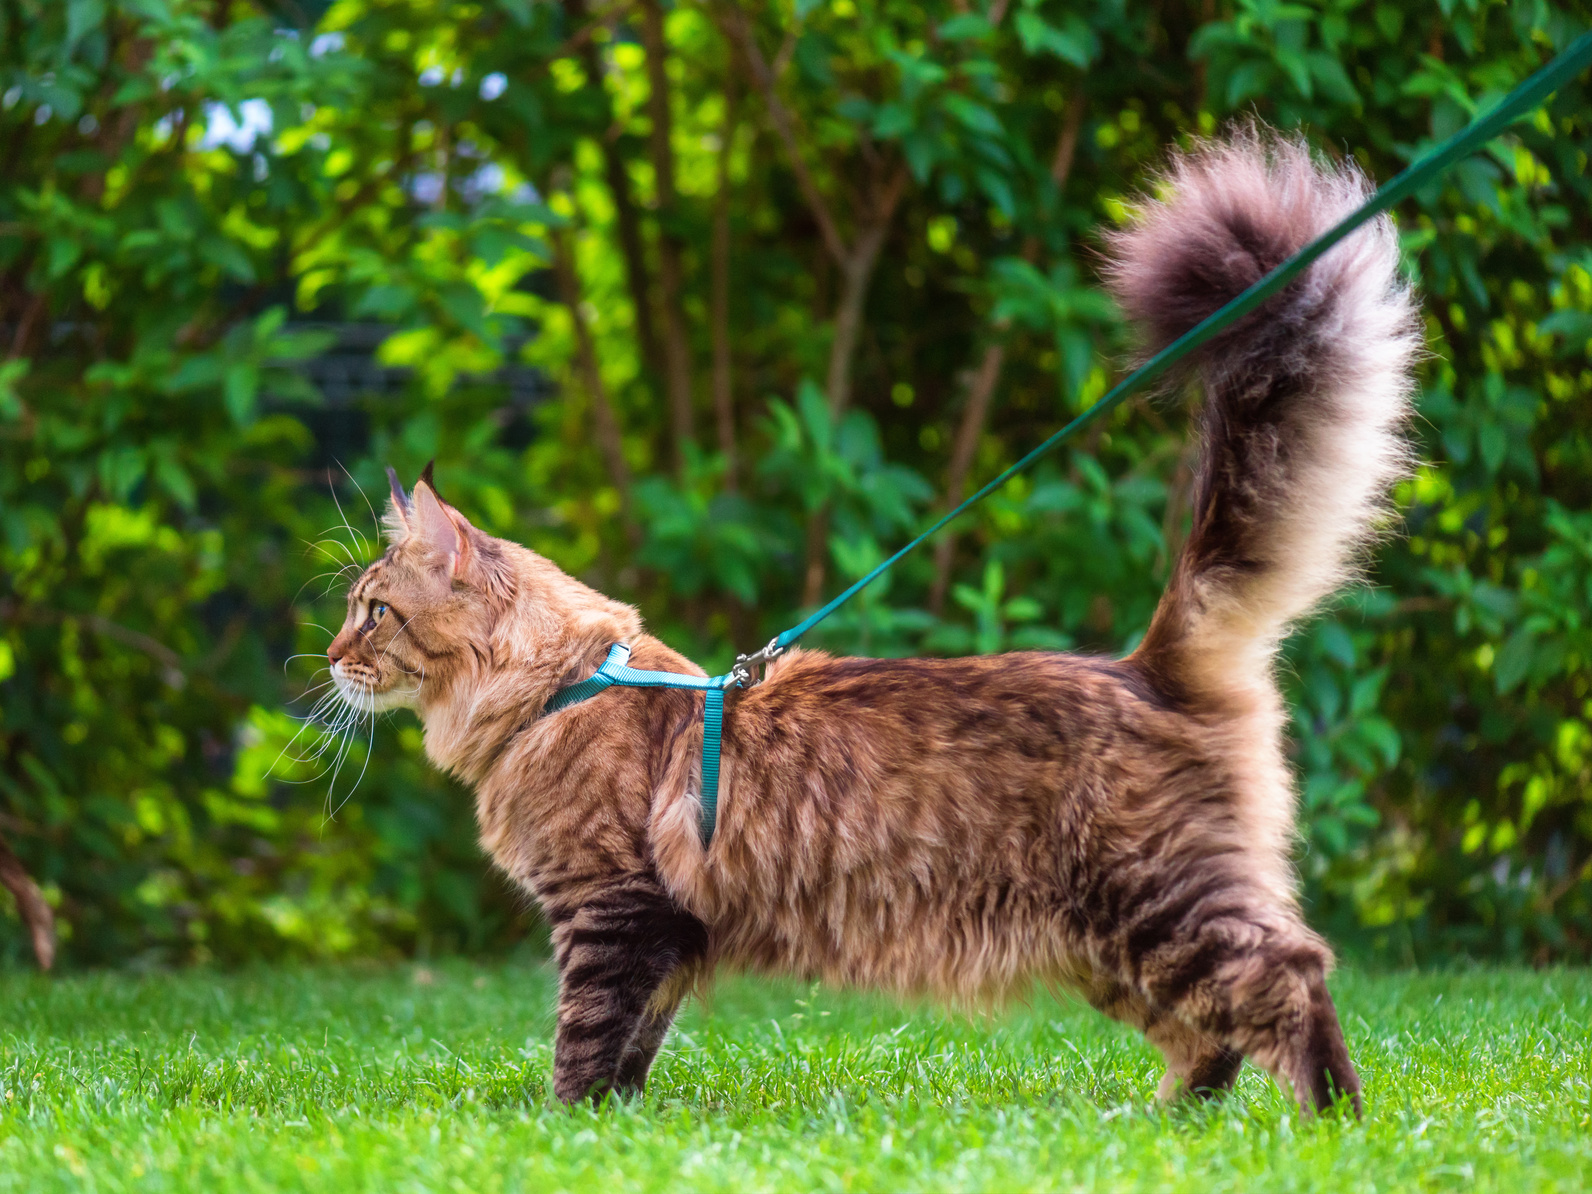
(405, 1079)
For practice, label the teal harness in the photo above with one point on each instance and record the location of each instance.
(615, 669)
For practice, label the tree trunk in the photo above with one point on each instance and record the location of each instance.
(671, 274)
(719, 318)
(987, 377)
(856, 276)
(31, 906)
(610, 441)
(857, 261)
(638, 280)
(631, 247)
(817, 552)
(971, 431)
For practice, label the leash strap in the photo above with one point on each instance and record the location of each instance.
(617, 672)
(1517, 103)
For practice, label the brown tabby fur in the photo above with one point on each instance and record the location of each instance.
(958, 826)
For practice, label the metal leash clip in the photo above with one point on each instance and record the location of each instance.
(742, 671)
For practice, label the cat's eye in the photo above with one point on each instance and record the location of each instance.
(377, 612)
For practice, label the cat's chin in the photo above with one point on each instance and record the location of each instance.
(367, 700)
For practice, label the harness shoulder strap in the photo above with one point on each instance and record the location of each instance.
(616, 670)
(603, 677)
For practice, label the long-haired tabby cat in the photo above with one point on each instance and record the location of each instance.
(957, 826)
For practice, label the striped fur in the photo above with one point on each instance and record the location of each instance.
(961, 827)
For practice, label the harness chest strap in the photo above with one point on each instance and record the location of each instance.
(616, 671)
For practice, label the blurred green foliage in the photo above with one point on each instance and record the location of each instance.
(797, 274)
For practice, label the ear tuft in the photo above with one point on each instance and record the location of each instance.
(425, 477)
(399, 509)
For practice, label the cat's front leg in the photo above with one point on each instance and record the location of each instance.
(614, 953)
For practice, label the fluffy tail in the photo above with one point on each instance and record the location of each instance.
(1305, 399)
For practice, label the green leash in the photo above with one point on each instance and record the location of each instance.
(615, 670)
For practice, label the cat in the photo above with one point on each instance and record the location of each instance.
(961, 827)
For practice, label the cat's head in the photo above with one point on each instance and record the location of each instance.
(428, 605)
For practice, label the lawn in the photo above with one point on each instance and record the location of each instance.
(433, 1078)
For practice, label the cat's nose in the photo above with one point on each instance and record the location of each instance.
(337, 650)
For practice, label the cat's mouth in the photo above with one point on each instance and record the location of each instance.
(363, 688)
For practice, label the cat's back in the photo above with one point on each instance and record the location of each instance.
(1018, 710)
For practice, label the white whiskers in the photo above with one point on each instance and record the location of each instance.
(342, 710)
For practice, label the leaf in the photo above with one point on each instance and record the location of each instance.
(892, 120)
(1336, 643)
(1326, 70)
(390, 302)
(1570, 323)
(174, 479)
(464, 303)
(1456, 443)
(922, 151)
(63, 255)
(967, 26)
(1023, 609)
(1493, 440)
(1075, 43)
(1249, 80)
(999, 192)
(12, 372)
(972, 116)
(1383, 737)
(231, 259)
(1297, 70)
(1366, 692)
(83, 16)
(120, 468)
(239, 391)
(195, 373)
(1514, 660)
(1329, 831)
(967, 597)
(1495, 599)
(519, 11)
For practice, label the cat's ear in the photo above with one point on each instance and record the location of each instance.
(400, 511)
(463, 553)
(441, 528)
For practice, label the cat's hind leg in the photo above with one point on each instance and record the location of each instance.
(1258, 986)
(614, 952)
(1197, 1064)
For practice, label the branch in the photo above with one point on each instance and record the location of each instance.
(655, 44)
(671, 272)
(719, 285)
(981, 391)
(154, 648)
(610, 440)
(738, 29)
(1067, 143)
(631, 249)
(35, 912)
